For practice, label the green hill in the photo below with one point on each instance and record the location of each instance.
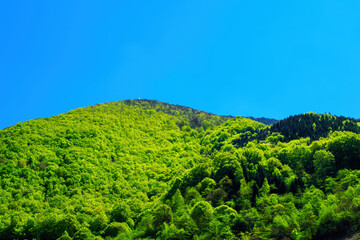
(266, 121)
(91, 159)
(313, 125)
(143, 169)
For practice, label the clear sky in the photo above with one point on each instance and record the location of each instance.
(248, 58)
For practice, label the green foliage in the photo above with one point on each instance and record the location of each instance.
(202, 213)
(237, 131)
(98, 223)
(206, 186)
(345, 147)
(114, 228)
(178, 202)
(265, 189)
(227, 164)
(163, 214)
(225, 214)
(324, 163)
(187, 116)
(83, 234)
(65, 236)
(97, 164)
(150, 170)
(171, 233)
(313, 125)
(121, 213)
(196, 175)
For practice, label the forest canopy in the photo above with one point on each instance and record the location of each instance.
(142, 169)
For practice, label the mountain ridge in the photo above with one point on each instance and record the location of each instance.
(265, 120)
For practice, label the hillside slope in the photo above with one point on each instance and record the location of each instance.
(301, 189)
(91, 159)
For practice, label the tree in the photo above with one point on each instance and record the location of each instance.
(162, 214)
(225, 214)
(345, 146)
(65, 236)
(121, 213)
(99, 223)
(83, 234)
(206, 186)
(69, 224)
(245, 194)
(202, 213)
(265, 189)
(178, 201)
(114, 228)
(280, 228)
(227, 164)
(324, 163)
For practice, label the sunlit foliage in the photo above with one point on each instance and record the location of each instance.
(142, 169)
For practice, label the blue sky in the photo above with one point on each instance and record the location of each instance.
(248, 58)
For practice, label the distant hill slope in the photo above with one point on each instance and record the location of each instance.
(266, 121)
(313, 125)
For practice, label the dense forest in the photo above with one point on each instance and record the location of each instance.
(142, 169)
